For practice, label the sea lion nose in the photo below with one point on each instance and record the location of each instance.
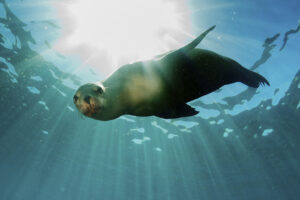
(87, 99)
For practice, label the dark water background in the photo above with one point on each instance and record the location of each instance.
(47, 151)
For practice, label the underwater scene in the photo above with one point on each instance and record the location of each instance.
(229, 130)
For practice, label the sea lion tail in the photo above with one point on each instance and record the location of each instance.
(253, 79)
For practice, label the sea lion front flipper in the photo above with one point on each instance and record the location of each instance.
(196, 41)
(180, 110)
(187, 47)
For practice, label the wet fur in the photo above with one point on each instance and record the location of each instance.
(164, 85)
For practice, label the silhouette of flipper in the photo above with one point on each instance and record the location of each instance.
(180, 110)
(187, 48)
(196, 41)
(253, 79)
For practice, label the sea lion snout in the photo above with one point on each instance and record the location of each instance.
(88, 106)
(87, 99)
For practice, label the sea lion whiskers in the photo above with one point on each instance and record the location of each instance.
(92, 107)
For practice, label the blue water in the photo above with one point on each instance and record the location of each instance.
(244, 144)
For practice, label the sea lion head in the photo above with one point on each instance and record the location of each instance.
(90, 99)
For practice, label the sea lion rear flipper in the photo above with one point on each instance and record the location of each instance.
(180, 110)
(253, 79)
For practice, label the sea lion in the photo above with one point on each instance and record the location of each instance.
(162, 86)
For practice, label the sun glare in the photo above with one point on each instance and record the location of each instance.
(131, 27)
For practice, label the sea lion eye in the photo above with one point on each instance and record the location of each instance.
(99, 90)
(75, 98)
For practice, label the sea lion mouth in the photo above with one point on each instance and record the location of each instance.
(91, 110)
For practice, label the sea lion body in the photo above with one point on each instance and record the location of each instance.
(162, 86)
